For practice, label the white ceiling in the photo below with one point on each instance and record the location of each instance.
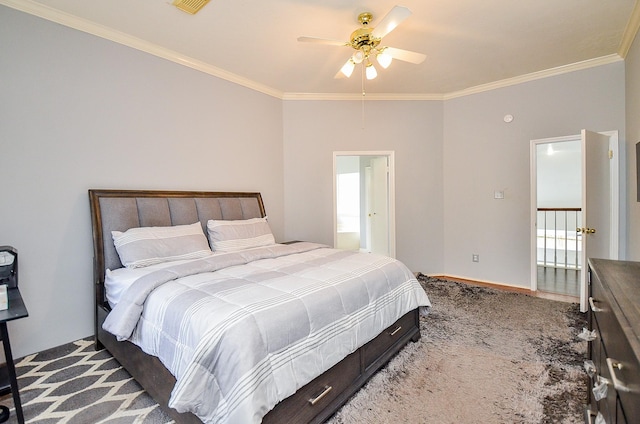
(468, 43)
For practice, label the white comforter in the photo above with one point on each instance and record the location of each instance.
(242, 331)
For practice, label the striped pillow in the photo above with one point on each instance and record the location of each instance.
(144, 246)
(231, 236)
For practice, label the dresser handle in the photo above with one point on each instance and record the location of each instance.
(317, 399)
(612, 364)
(394, 332)
(589, 416)
(594, 308)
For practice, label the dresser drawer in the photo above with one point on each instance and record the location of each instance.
(372, 350)
(310, 400)
(620, 417)
(624, 373)
(613, 314)
(601, 312)
(596, 354)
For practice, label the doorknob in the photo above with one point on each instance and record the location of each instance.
(586, 230)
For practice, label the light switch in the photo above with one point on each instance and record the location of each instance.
(498, 194)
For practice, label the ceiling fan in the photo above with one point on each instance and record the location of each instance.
(366, 43)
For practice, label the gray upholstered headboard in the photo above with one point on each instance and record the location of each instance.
(119, 210)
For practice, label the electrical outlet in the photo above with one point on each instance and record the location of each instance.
(475, 257)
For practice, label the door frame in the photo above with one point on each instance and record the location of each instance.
(614, 179)
(390, 154)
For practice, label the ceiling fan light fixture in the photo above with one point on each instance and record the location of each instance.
(366, 44)
(370, 71)
(384, 59)
(347, 68)
(358, 56)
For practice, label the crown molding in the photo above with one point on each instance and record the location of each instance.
(578, 66)
(360, 96)
(71, 21)
(630, 31)
(586, 64)
(48, 13)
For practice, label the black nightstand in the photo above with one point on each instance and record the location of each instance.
(16, 310)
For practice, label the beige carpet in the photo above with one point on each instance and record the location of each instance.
(485, 357)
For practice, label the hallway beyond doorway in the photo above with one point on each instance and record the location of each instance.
(559, 281)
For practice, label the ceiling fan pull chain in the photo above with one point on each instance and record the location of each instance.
(363, 94)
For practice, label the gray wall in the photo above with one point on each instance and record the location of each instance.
(450, 158)
(482, 154)
(313, 130)
(633, 136)
(80, 112)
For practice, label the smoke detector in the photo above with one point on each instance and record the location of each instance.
(190, 6)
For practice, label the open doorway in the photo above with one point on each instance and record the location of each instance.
(364, 212)
(559, 241)
(559, 214)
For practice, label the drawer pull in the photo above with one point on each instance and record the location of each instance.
(612, 364)
(590, 368)
(594, 308)
(394, 332)
(317, 399)
(588, 416)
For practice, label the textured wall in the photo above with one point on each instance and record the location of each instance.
(482, 154)
(412, 129)
(80, 112)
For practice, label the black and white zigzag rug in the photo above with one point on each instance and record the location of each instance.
(75, 384)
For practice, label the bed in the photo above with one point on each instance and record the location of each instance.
(323, 321)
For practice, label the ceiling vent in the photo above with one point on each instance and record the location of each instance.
(190, 6)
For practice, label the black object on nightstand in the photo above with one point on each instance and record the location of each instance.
(16, 310)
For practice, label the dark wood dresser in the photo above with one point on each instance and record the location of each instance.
(614, 314)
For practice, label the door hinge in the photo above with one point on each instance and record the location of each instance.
(610, 154)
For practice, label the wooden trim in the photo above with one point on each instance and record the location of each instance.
(513, 289)
(559, 209)
(485, 284)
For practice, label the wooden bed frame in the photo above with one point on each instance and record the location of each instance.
(120, 210)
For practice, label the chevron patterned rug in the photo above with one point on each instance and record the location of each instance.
(75, 384)
(485, 356)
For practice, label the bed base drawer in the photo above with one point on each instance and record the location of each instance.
(345, 378)
(387, 339)
(310, 400)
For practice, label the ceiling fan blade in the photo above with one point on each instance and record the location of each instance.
(322, 41)
(390, 21)
(405, 55)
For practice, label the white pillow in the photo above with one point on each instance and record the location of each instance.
(144, 246)
(117, 281)
(231, 236)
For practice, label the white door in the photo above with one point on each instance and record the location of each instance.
(378, 206)
(600, 198)
(376, 220)
(596, 204)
